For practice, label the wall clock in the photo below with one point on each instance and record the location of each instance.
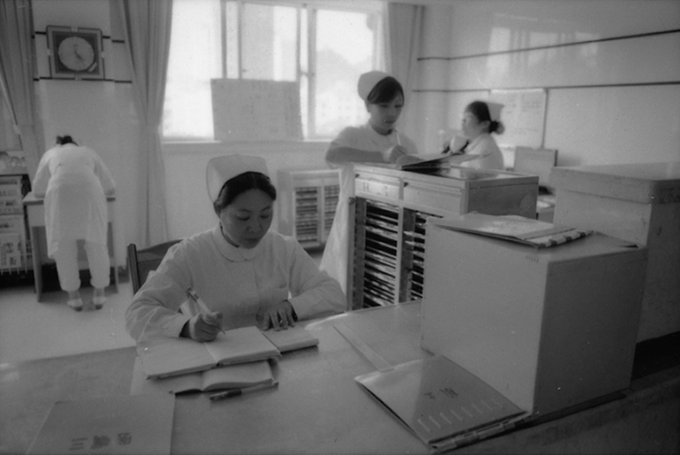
(75, 53)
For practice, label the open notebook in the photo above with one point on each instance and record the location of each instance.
(219, 378)
(163, 357)
(433, 163)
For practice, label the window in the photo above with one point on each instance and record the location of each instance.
(322, 45)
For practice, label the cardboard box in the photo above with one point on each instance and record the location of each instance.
(639, 203)
(548, 328)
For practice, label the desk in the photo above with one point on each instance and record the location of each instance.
(318, 408)
(35, 210)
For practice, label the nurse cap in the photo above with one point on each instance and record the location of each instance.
(495, 110)
(369, 80)
(221, 169)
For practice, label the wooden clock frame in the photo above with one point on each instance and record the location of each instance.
(56, 34)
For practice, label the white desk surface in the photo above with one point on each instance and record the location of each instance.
(319, 408)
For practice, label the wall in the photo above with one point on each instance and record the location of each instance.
(189, 209)
(608, 100)
(97, 113)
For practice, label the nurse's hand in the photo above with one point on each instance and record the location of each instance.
(203, 327)
(392, 154)
(277, 316)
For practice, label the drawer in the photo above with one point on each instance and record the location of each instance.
(383, 188)
(444, 199)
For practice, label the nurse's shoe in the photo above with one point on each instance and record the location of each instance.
(76, 304)
(99, 299)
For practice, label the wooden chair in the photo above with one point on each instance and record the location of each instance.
(141, 262)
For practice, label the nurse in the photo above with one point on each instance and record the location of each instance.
(75, 182)
(480, 119)
(244, 273)
(377, 141)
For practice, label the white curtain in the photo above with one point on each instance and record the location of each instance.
(17, 57)
(146, 28)
(403, 31)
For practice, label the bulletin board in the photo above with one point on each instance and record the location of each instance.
(256, 110)
(523, 116)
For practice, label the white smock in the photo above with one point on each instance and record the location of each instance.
(335, 259)
(234, 281)
(74, 181)
(489, 155)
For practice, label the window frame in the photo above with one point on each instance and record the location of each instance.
(305, 11)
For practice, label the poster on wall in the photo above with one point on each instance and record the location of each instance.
(523, 116)
(256, 110)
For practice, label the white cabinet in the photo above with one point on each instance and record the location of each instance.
(14, 249)
(390, 211)
(307, 202)
(639, 203)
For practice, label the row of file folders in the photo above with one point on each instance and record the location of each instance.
(387, 269)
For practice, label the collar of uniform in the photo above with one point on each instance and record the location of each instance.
(473, 143)
(234, 253)
(391, 136)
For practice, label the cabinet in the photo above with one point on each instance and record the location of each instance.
(14, 249)
(636, 202)
(391, 208)
(307, 202)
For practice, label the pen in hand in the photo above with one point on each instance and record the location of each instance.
(203, 308)
(242, 391)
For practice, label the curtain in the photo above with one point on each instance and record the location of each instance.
(403, 30)
(146, 28)
(17, 67)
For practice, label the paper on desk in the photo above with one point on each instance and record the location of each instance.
(437, 399)
(139, 424)
(514, 228)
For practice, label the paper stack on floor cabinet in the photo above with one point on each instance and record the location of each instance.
(639, 203)
(549, 328)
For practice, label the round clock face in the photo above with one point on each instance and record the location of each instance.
(76, 54)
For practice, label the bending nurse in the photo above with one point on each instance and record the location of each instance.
(244, 273)
(480, 119)
(75, 182)
(377, 141)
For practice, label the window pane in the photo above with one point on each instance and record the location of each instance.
(195, 51)
(345, 48)
(269, 42)
(232, 40)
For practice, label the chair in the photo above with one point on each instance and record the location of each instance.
(141, 262)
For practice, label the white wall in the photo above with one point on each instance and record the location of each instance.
(97, 113)
(611, 101)
(589, 118)
(189, 208)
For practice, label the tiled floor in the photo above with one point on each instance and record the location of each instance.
(31, 330)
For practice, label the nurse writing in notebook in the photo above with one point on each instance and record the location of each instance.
(243, 273)
(377, 141)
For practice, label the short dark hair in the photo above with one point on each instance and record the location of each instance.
(239, 185)
(65, 139)
(385, 91)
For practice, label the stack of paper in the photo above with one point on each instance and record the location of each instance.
(514, 228)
